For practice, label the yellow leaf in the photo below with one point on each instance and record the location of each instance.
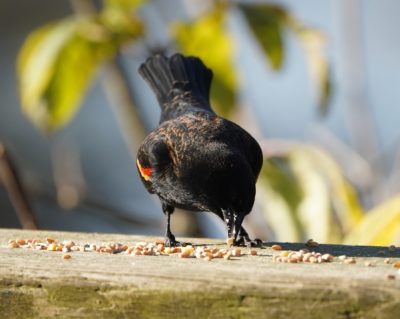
(58, 61)
(123, 4)
(380, 226)
(208, 39)
(305, 195)
(35, 64)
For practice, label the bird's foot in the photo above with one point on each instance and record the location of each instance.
(245, 241)
(170, 241)
(253, 242)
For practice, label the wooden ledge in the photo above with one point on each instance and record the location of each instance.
(42, 284)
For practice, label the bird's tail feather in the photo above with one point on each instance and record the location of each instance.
(178, 78)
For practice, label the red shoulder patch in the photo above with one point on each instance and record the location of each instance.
(145, 172)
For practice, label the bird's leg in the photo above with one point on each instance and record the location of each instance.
(228, 219)
(238, 220)
(170, 240)
(245, 240)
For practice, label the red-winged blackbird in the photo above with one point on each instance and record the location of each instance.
(195, 159)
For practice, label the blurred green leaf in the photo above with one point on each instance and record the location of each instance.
(380, 226)
(314, 43)
(57, 63)
(123, 4)
(207, 38)
(281, 194)
(36, 69)
(307, 197)
(267, 23)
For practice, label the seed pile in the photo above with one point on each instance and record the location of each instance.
(207, 253)
(156, 248)
(303, 255)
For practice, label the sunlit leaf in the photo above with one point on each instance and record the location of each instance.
(306, 196)
(267, 22)
(35, 65)
(58, 61)
(280, 192)
(123, 4)
(120, 18)
(380, 226)
(208, 39)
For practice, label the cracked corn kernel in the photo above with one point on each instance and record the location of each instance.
(253, 252)
(276, 247)
(350, 260)
(66, 256)
(52, 247)
(236, 252)
(284, 253)
(13, 245)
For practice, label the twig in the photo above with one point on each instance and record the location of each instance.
(15, 190)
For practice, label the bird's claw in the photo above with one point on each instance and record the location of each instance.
(170, 241)
(243, 241)
(253, 242)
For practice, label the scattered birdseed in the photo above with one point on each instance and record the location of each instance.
(350, 260)
(284, 253)
(156, 248)
(302, 255)
(13, 244)
(21, 242)
(397, 265)
(390, 276)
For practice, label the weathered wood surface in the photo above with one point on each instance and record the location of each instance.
(40, 284)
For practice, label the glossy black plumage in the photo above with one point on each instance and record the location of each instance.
(198, 160)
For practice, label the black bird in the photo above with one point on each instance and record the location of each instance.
(195, 159)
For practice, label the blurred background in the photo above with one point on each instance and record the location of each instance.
(316, 82)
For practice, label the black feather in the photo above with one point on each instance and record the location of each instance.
(178, 80)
